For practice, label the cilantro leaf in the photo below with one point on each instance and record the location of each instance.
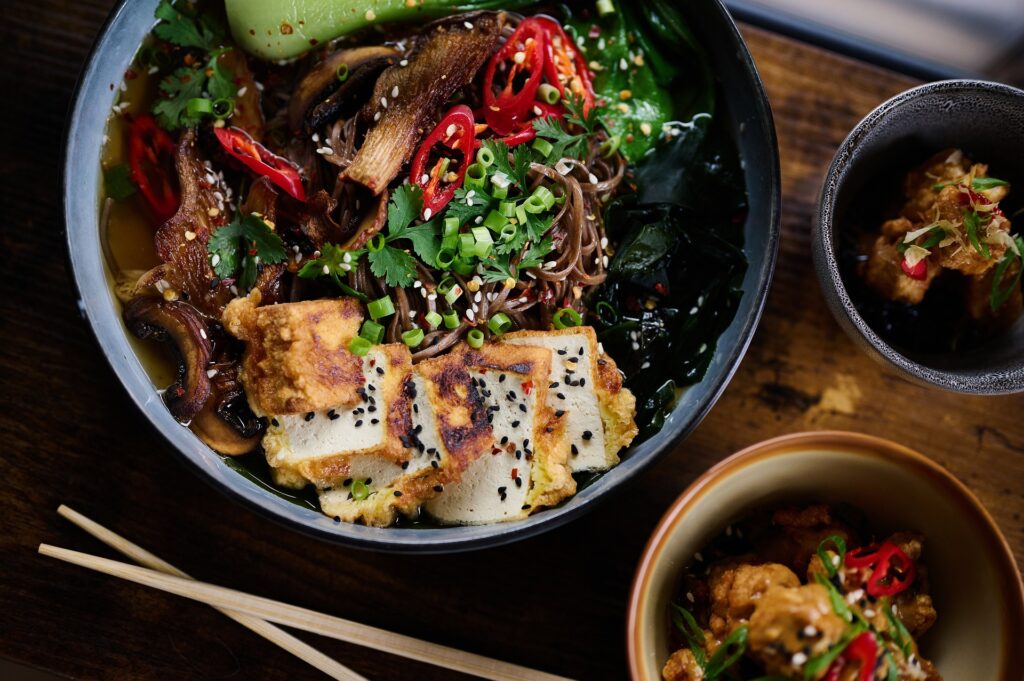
(563, 144)
(534, 255)
(183, 30)
(405, 206)
(171, 110)
(468, 208)
(499, 269)
(575, 114)
(334, 262)
(426, 240)
(221, 84)
(249, 241)
(538, 225)
(396, 266)
(117, 182)
(517, 169)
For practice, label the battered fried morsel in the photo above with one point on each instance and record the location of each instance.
(296, 355)
(790, 625)
(736, 590)
(682, 666)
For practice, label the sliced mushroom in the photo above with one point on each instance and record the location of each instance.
(371, 223)
(406, 97)
(151, 317)
(221, 436)
(321, 96)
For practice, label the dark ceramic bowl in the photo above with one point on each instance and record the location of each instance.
(750, 119)
(984, 119)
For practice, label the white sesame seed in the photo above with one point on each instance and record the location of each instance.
(593, 178)
(636, 346)
(702, 348)
(600, 44)
(538, 111)
(427, 213)
(519, 57)
(315, 137)
(345, 267)
(468, 25)
(479, 219)
(645, 365)
(799, 659)
(478, 297)
(645, 128)
(327, 270)
(623, 64)
(809, 631)
(424, 178)
(470, 315)
(298, 257)
(689, 596)
(394, 92)
(470, 194)
(604, 242)
(404, 62)
(423, 292)
(376, 116)
(202, 332)
(347, 257)
(242, 90)
(693, 310)
(417, 284)
(210, 373)
(384, 102)
(234, 290)
(215, 260)
(869, 613)
(431, 296)
(450, 130)
(153, 69)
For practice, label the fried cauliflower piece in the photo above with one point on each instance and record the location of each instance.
(883, 273)
(736, 590)
(682, 666)
(296, 356)
(790, 625)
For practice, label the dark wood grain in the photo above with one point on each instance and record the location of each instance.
(70, 435)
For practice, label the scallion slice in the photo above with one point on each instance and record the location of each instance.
(359, 346)
(508, 232)
(359, 490)
(485, 157)
(466, 245)
(453, 294)
(543, 147)
(495, 220)
(376, 243)
(342, 72)
(476, 176)
(507, 208)
(223, 108)
(372, 331)
(199, 106)
(382, 307)
(499, 323)
(445, 257)
(433, 318)
(475, 338)
(451, 319)
(500, 192)
(534, 204)
(549, 94)
(451, 226)
(566, 318)
(412, 337)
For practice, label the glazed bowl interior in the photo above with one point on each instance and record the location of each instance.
(749, 117)
(974, 582)
(866, 175)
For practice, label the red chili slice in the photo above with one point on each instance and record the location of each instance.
(262, 161)
(439, 166)
(918, 271)
(892, 570)
(151, 158)
(520, 63)
(862, 651)
(565, 66)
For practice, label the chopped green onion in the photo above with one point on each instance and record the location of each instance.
(688, 627)
(359, 346)
(545, 195)
(412, 337)
(451, 226)
(342, 72)
(1001, 295)
(482, 242)
(610, 146)
(549, 94)
(376, 243)
(433, 318)
(973, 223)
(508, 232)
(445, 257)
(727, 654)
(500, 192)
(543, 147)
(372, 331)
(840, 544)
(445, 285)
(499, 323)
(560, 321)
(485, 157)
(606, 312)
(986, 183)
(467, 245)
(198, 106)
(359, 490)
(223, 108)
(475, 338)
(476, 176)
(495, 220)
(382, 307)
(521, 213)
(450, 242)
(507, 208)
(451, 319)
(453, 294)
(535, 204)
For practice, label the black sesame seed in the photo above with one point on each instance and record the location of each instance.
(309, 416)
(522, 408)
(560, 413)
(398, 493)
(580, 353)
(333, 415)
(515, 424)
(519, 481)
(562, 351)
(438, 488)
(519, 454)
(572, 359)
(490, 418)
(560, 396)
(274, 423)
(405, 465)
(434, 464)
(583, 382)
(553, 385)
(374, 421)
(415, 408)
(359, 423)
(373, 388)
(501, 378)
(587, 435)
(418, 429)
(504, 439)
(371, 409)
(549, 429)
(368, 481)
(526, 442)
(526, 507)
(347, 482)
(361, 390)
(337, 518)
(575, 450)
(380, 372)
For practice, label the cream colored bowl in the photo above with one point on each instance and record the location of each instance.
(976, 586)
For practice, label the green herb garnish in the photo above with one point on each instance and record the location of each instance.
(186, 31)
(1000, 294)
(687, 625)
(247, 242)
(978, 184)
(727, 654)
(973, 223)
(117, 182)
(840, 545)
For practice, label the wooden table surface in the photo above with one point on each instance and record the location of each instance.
(70, 435)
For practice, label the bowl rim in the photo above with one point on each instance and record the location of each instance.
(859, 444)
(827, 264)
(89, 273)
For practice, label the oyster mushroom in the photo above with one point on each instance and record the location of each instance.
(371, 223)
(150, 317)
(321, 97)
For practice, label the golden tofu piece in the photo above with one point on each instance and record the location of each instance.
(296, 357)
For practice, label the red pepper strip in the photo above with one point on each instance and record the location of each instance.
(863, 651)
(261, 160)
(565, 65)
(449, 148)
(527, 132)
(151, 158)
(521, 60)
(892, 570)
(918, 271)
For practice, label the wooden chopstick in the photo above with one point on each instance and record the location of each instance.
(295, 646)
(305, 619)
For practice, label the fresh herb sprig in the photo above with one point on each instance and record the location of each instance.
(242, 246)
(180, 29)
(564, 143)
(979, 184)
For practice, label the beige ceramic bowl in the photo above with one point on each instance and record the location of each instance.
(975, 583)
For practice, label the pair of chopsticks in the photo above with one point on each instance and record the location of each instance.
(256, 613)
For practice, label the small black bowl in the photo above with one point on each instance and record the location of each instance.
(984, 119)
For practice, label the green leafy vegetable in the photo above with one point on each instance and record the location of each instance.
(247, 242)
(334, 262)
(186, 31)
(396, 266)
(518, 168)
(171, 110)
(897, 630)
(817, 665)
(563, 143)
(467, 208)
(978, 184)
(973, 223)
(117, 182)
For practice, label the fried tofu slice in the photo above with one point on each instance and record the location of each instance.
(527, 468)
(320, 446)
(883, 273)
(296, 356)
(585, 383)
(449, 431)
